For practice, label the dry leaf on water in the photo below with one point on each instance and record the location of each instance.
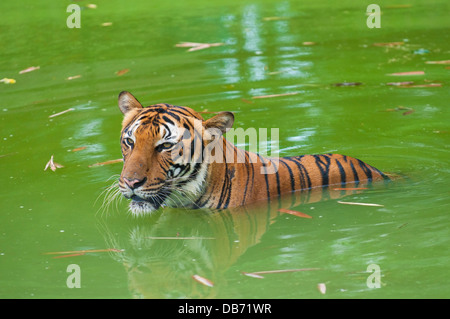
(407, 73)
(73, 77)
(60, 113)
(407, 110)
(65, 254)
(293, 212)
(253, 275)
(195, 46)
(257, 274)
(273, 95)
(348, 84)
(322, 288)
(400, 83)
(122, 72)
(78, 149)
(429, 85)
(183, 238)
(8, 81)
(349, 188)
(203, 281)
(31, 68)
(52, 165)
(107, 162)
(438, 62)
(360, 204)
(388, 44)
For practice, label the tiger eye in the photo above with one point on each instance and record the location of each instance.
(129, 141)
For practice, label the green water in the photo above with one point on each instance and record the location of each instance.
(265, 51)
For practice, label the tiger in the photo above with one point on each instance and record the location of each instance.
(166, 163)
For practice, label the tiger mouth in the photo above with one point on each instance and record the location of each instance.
(151, 203)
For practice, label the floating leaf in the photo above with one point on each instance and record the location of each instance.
(400, 83)
(8, 81)
(322, 288)
(203, 280)
(247, 101)
(429, 85)
(360, 204)
(60, 113)
(273, 95)
(69, 255)
(348, 84)
(279, 271)
(274, 18)
(53, 166)
(78, 149)
(388, 44)
(293, 212)
(195, 46)
(122, 72)
(407, 73)
(349, 188)
(74, 77)
(177, 237)
(438, 62)
(308, 43)
(107, 162)
(408, 112)
(82, 252)
(399, 108)
(30, 69)
(253, 275)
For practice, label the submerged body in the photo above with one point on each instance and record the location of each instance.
(172, 157)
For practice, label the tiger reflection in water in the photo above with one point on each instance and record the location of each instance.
(159, 265)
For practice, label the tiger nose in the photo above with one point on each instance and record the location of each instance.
(134, 183)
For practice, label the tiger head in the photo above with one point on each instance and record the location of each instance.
(162, 149)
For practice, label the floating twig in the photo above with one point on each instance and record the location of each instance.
(107, 162)
(195, 46)
(30, 69)
(203, 281)
(360, 204)
(152, 237)
(60, 113)
(279, 271)
(80, 252)
(273, 95)
(349, 188)
(293, 212)
(73, 77)
(407, 73)
(122, 72)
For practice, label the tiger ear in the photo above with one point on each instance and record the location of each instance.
(222, 121)
(127, 102)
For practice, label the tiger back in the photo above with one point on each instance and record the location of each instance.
(173, 157)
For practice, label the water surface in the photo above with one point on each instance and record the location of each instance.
(270, 47)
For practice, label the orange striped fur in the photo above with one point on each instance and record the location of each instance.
(151, 178)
